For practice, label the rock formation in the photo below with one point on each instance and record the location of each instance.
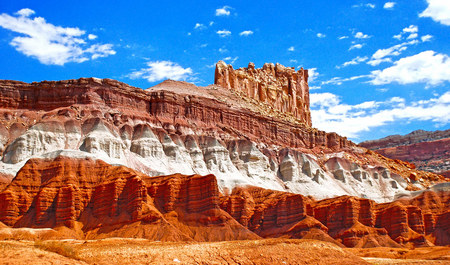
(103, 200)
(281, 88)
(429, 151)
(176, 127)
(93, 199)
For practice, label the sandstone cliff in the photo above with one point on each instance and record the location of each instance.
(429, 151)
(176, 127)
(281, 88)
(100, 200)
(87, 199)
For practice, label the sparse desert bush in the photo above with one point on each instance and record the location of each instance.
(58, 247)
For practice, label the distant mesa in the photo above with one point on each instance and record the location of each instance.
(428, 150)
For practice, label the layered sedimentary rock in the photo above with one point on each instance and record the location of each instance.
(429, 151)
(280, 87)
(351, 221)
(176, 127)
(92, 199)
(107, 200)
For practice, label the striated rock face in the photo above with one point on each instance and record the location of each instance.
(281, 88)
(351, 221)
(96, 200)
(429, 151)
(176, 127)
(103, 198)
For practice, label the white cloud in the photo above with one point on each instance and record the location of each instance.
(339, 80)
(360, 35)
(438, 10)
(223, 33)
(224, 11)
(92, 36)
(199, 26)
(411, 29)
(50, 44)
(223, 50)
(369, 5)
(412, 36)
(354, 61)
(398, 36)
(426, 67)
(25, 12)
(389, 5)
(246, 33)
(355, 46)
(426, 38)
(343, 37)
(312, 74)
(321, 35)
(231, 59)
(291, 49)
(100, 50)
(330, 114)
(293, 61)
(382, 55)
(161, 70)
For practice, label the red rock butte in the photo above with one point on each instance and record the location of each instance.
(234, 160)
(280, 87)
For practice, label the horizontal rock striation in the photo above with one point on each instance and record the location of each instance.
(281, 88)
(351, 221)
(103, 198)
(96, 200)
(176, 127)
(429, 151)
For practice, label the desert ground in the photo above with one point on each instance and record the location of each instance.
(267, 251)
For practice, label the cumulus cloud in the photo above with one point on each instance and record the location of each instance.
(312, 74)
(25, 12)
(223, 11)
(321, 35)
(426, 38)
(50, 44)
(246, 33)
(426, 67)
(382, 55)
(438, 10)
(360, 35)
(343, 37)
(161, 70)
(330, 114)
(291, 49)
(354, 61)
(411, 31)
(355, 46)
(389, 5)
(223, 33)
(199, 26)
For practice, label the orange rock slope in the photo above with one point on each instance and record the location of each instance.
(96, 200)
(103, 200)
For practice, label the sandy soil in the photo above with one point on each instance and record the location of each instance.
(269, 251)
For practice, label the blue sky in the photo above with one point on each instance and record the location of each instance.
(376, 67)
